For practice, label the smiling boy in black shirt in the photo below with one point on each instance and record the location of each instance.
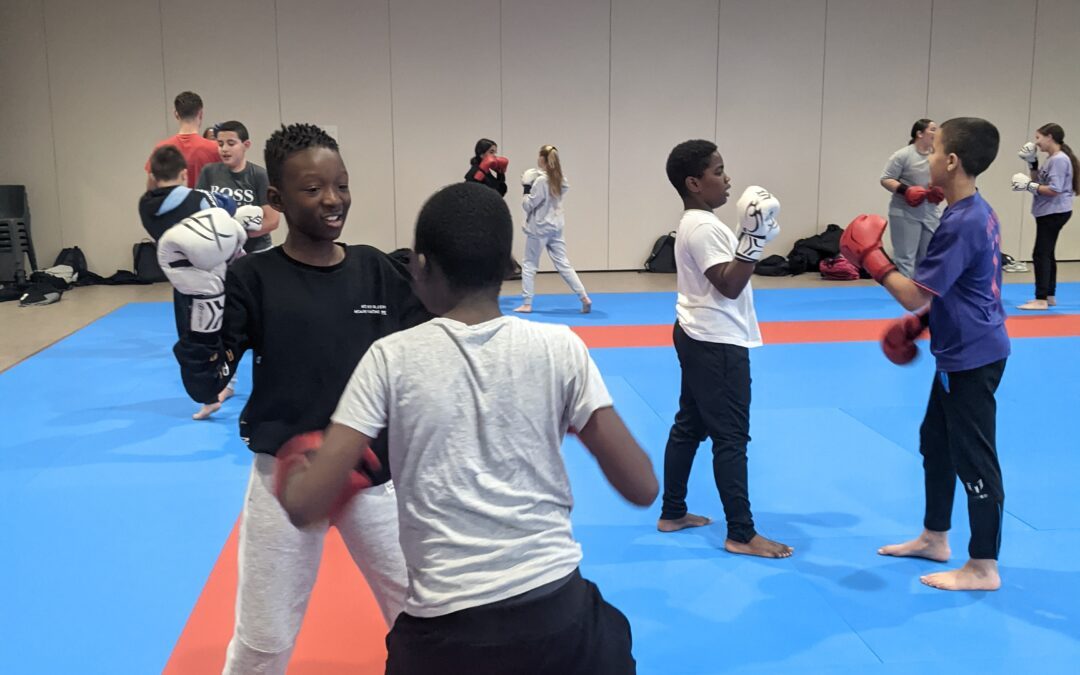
(309, 310)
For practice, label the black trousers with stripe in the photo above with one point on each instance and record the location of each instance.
(958, 438)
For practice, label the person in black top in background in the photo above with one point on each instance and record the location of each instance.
(309, 309)
(487, 167)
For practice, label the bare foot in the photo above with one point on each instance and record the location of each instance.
(1035, 304)
(975, 575)
(225, 394)
(206, 411)
(676, 524)
(759, 546)
(586, 305)
(524, 309)
(929, 545)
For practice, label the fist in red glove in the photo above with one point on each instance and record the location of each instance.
(915, 195)
(296, 452)
(861, 245)
(935, 195)
(491, 163)
(898, 342)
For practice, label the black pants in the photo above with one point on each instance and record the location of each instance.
(714, 403)
(1047, 229)
(957, 438)
(570, 631)
(182, 313)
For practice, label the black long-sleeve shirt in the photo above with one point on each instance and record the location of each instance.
(496, 182)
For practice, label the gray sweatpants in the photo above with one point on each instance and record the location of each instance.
(556, 248)
(278, 565)
(910, 236)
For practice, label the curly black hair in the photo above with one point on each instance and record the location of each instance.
(289, 140)
(467, 229)
(689, 158)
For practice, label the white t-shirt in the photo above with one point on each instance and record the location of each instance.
(701, 242)
(476, 417)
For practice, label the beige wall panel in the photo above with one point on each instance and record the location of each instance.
(876, 69)
(105, 80)
(555, 74)
(1055, 97)
(663, 92)
(446, 95)
(225, 52)
(769, 107)
(26, 145)
(980, 65)
(344, 85)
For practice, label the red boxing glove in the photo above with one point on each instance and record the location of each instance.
(295, 453)
(861, 244)
(490, 163)
(935, 195)
(915, 195)
(898, 342)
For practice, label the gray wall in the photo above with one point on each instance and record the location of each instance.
(805, 97)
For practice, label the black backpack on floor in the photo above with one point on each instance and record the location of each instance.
(74, 258)
(662, 258)
(147, 269)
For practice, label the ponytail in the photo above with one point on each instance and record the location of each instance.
(920, 125)
(1055, 132)
(482, 146)
(1075, 165)
(554, 169)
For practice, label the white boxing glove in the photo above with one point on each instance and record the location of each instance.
(206, 240)
(1028, 152)
(758, 210)
(1022, 181)
(205, 294)
(530, 175)
(250, 217)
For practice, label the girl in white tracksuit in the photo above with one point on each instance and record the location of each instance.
(545, 188)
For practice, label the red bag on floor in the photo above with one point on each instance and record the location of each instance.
(838, 269)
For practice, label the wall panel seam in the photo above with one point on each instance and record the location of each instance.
(610, 61)
(52, 128)
(393, 134)
(821, 117)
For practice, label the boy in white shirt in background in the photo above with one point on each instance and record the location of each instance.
(715, 329)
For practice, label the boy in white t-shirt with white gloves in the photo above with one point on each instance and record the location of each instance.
(715, 328)
(476, 405)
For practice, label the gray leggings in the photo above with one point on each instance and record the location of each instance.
(910, 236)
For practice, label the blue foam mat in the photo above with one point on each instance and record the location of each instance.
(797, 304)
(116, 506)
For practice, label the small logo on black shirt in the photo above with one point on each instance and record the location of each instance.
(371, 309)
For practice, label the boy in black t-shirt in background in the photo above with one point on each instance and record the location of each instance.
(309, 309)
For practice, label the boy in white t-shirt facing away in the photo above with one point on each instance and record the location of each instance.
(476, 405)
(715, 328)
